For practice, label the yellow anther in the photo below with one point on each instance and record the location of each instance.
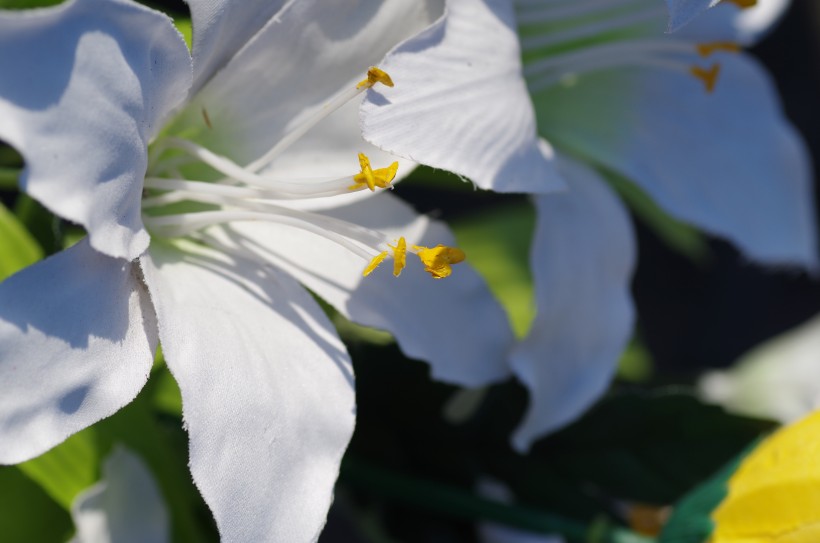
(706, 49)
(375, 75)
(399, 256)
(374, 263)
(371, 178)
(743, 4)
(438, 260)
(707, 75)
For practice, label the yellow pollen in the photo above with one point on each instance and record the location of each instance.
(375, 75)
(706, 49)
(707, 75)
(743, 4)
(438, 260)
(374, 263)
(371, 178)
(399, 256)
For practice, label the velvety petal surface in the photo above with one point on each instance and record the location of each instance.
(267, 390)
(308, 53)
(85, 86)
(461, 104)
(583, 255)
(454, 324)
(77, 340)
(126, 506)
(222, 28)
(728, 161)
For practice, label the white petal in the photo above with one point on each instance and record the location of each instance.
(223, 27)
(126, 506)
(727, 22)
(86, 85)
(77, 340)
(308, 53)
(727, 161)
(460, 102)
(778, 380)
(582, 260)
(454, 324)
(267, 390)
(683, 11)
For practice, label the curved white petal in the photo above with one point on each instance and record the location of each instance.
(454, 324)
(86, 84)
(126, 506)
(77, 340)
(223, 27)
(331, 149)
(582, 260)
(727, 22)
(460, 102)
(308, 53)
(727, 161)
(267, 390)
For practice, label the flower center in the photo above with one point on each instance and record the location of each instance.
(176, 205)
(564, 39)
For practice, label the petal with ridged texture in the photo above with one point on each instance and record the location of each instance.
(460, 102)
(86, 85)
(77, 341)
(267, 390)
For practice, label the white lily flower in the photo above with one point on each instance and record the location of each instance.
(247, 177)
(687, 117)
(125, 506)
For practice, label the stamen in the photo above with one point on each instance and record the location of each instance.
(593, 29)
(743, 4)
(186, 223)
(374, 75)
(371, 178)
(706, 49)
(399, 256)
(206, 118)
(374, 263)
(438, 260)
(707, 75)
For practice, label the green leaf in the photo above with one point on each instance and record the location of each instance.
(8, 178)
(18, 248)
(648, 447)
(27, 4)
(68, 469)
(27, 514)
(497, 243)
(691, 520)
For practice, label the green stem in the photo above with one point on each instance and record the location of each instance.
(456, 502)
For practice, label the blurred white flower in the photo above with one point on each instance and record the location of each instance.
(687, 117)
(125, 506)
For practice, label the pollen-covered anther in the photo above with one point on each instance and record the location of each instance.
(743, 4)
(375, 75)
(370, 178)
(374, 263)
(438, 260)
(399, 258)
(706, 49)
(707, 75)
